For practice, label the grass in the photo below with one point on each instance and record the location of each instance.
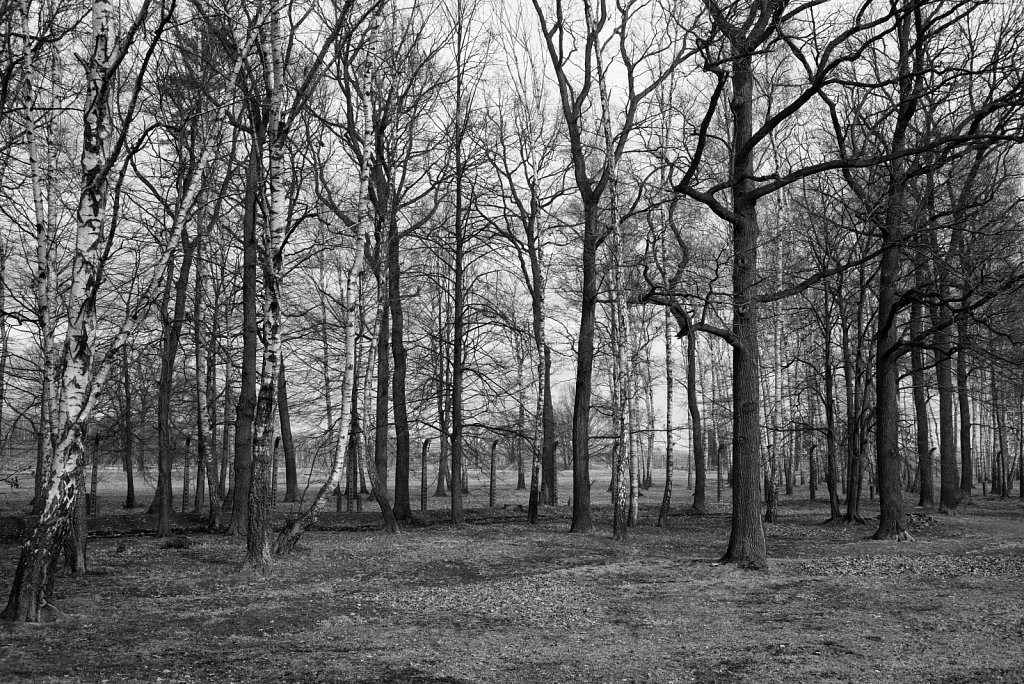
(498, 600)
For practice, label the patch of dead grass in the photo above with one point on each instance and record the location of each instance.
(500, 601)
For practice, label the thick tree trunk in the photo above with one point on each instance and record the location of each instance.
(746, 540)
(892, 521)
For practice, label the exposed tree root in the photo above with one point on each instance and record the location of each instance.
(899, 536)
(744, 563)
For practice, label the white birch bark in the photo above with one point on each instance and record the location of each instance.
(666, 500)
(84, 375)
(621, 458)
(45, 251)
(257, 555)
(292, 532)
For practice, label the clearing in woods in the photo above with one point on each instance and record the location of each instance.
(499, 600)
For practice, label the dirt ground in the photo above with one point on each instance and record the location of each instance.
(498, 600)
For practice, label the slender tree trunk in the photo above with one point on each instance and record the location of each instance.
(549, 463)
(699, 506)
(964, 400)
(1000, 425)
(403, 504)
(245, 408)
(223, 483)
(832, 466)
(458, 515)
(949, 488)
(582, 520)
(186, 474)
(127, 433)
(443, 401)
(517, 444)
(380, 425)
(257, 557)
(538, 432)
(666, 499)
(423, 476)
(493, 474)
(349, 423)
(291, 476)
(45, 258)
(171, 341)
(924, 450)
(205, 406)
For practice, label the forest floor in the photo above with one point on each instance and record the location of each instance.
(498, 600)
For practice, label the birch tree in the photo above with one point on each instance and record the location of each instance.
(351, 291)
(85, 371)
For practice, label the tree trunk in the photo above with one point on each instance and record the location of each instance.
(582, 520)
(493, 474)
(186, 474)
(699, 506)
(924, 450)
(949, 478)
(127, 434)
(423, 476)
(380, 425)
(666, 499)
(403, 504)
(245, 408)
(291, 477)
(549, 464)
(224, 483)
(349, 423)
(205, 405)
(45, 265)
(458, 515)
(746, 540)
(832, 466)
(257, 557)
(83, 374)
(533, 509)
(964, 400)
